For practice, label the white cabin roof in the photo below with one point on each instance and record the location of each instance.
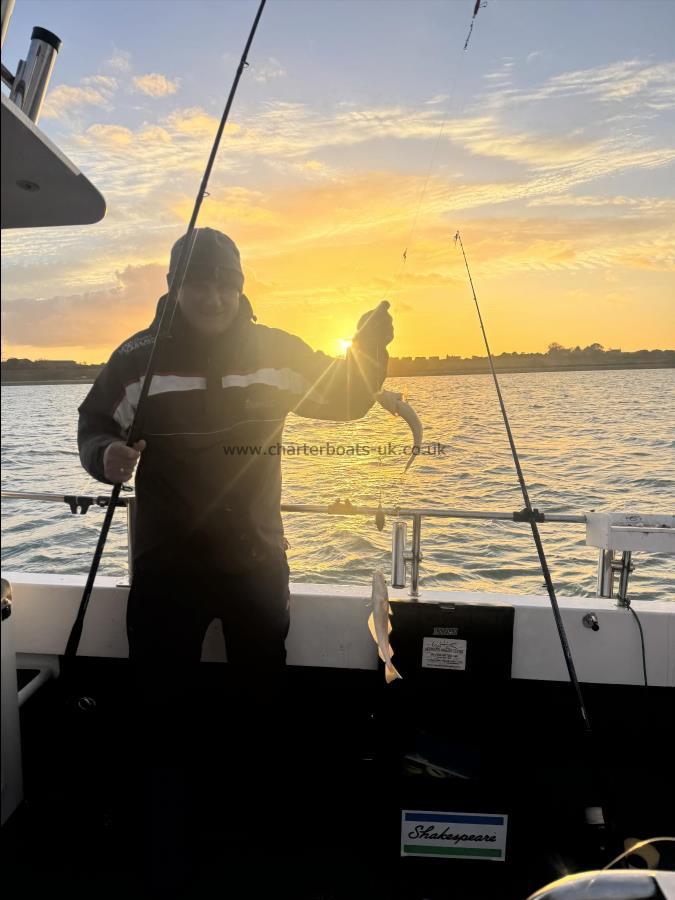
(40, 185)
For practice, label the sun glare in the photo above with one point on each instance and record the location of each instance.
(343, 344)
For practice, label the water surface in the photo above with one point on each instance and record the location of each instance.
(588, 441)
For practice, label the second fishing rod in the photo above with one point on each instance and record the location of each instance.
(530, 514)
(163, 331)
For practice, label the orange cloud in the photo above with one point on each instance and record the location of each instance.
(322, 230)
(318, 256)
(95, 319)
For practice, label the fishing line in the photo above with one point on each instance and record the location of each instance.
(163, 330)
(448, 109)
(531, 515)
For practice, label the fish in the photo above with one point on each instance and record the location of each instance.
(380, 625)
(397, 406)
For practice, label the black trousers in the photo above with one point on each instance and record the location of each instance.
(167, 618)
(167, 615)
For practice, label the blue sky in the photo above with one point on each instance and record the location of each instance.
(361, 127)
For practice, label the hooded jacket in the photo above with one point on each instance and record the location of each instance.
(208, 484)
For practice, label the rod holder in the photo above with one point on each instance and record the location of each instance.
(609, 567)
(624, 567)
(399, 539)
(401, 556)
(33, 74)
(605, 586)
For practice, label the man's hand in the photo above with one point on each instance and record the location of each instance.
(376, 327)
(119, 461)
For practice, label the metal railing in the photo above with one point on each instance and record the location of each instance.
(402, 556)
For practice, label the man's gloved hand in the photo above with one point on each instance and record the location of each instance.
(119, 461)
(376, 327)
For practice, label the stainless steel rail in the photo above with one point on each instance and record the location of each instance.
(339, 508)
(400, 554)
(36, 495)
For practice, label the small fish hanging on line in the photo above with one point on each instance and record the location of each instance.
(379, 512)
(379, 625)
(479, 4)
(379, 516)
(394, 403)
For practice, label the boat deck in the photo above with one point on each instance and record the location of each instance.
(300, 791)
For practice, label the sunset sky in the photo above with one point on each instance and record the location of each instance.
(362, 129)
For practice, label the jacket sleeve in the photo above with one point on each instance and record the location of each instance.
(100, 421)
(338, 389)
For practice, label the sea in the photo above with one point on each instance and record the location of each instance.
(602, 441)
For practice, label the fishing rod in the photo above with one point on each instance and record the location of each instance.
(163, 329)
(531, 515)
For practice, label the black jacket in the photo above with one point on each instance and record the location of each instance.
(208, 487)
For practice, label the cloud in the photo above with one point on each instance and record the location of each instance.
(616, 82)
(67, 99)
(650, 85)
(300, 142)
(194, 121)
(330, 231)
(100, 318)
(315, 258)
(307, 170)
(520, 244)
(120, 61)
(112, 135)
(155, 85)
(149, 175)
(634, 204)
(268, 71)
(105, 83)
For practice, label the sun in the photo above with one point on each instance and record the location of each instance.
(343, 344)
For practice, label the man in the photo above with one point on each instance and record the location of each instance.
(208, 535)
(209, 480)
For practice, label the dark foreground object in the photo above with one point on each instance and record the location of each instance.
(300, 795)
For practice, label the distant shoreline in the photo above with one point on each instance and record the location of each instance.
(27, 381)
(484, 370)
(519, 370)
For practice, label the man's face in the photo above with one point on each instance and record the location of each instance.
(209, 306)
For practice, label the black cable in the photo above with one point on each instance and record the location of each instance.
(642, 643)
